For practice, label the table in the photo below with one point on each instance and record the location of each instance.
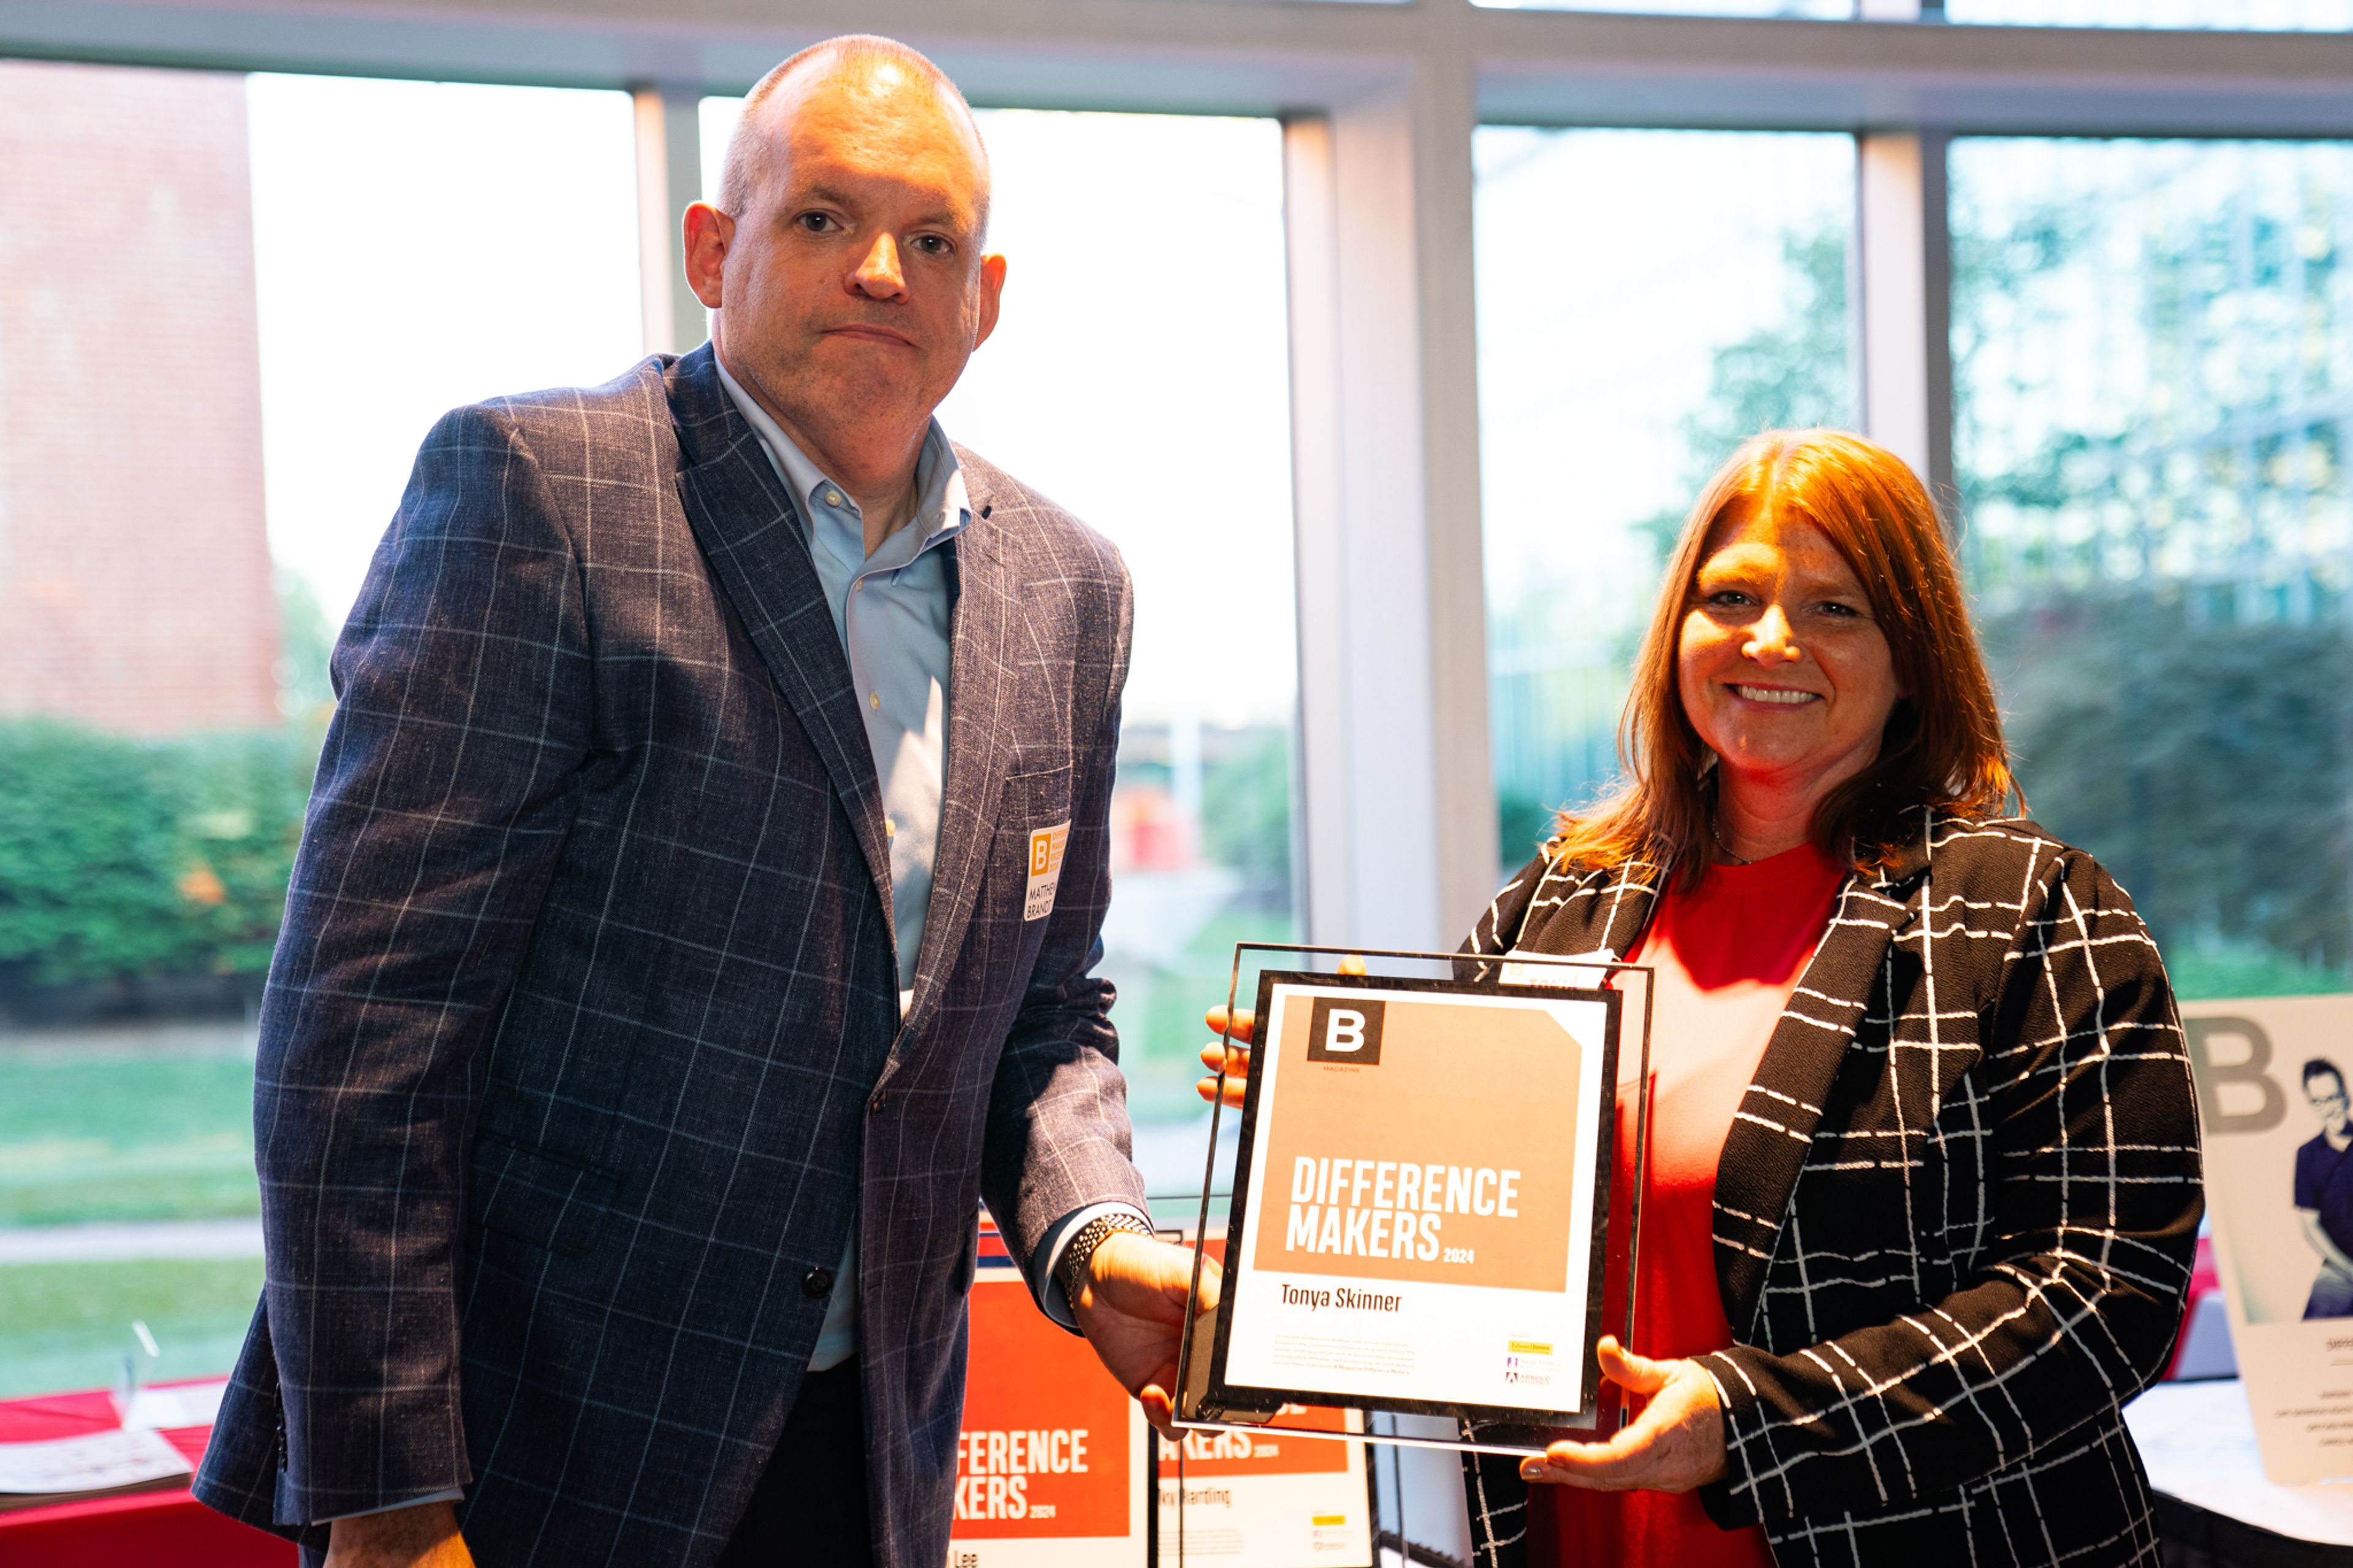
(2214, 1507)
(162, 1527)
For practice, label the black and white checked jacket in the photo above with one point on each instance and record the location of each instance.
(1954, 1216)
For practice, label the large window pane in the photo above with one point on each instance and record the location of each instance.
(401, 273)
(2153, 345)
(208, 404)
(1646, 300)
(1146, 388)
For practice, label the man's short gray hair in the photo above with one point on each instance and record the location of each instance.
(747, 147)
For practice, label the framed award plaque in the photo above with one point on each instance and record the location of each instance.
(1421, 1195)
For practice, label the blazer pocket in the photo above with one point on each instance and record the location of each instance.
(531, 1195)
(1035, 800)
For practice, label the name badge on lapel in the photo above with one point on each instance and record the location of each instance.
(1046, 846)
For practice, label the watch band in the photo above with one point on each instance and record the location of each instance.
(1082, 1249)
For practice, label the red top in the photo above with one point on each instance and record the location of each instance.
(1728, 954)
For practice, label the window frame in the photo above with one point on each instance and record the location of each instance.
(1397, 829)
(1378, 102)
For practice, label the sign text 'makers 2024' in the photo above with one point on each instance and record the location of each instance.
(1050, 1458)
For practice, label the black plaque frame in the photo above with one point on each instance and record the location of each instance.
(1206, 1399)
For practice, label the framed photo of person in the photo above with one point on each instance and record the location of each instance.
(2271, 1076)
(1421, 1195)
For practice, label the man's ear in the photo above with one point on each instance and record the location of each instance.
(709, 232)
(992, 290)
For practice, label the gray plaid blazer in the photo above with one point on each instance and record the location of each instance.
(583, 1035)
(1955, 1215)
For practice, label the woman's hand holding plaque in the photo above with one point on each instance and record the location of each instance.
(1231, 1050)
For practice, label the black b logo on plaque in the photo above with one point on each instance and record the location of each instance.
(1341, 1029)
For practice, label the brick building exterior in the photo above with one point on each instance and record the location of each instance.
(135, 565)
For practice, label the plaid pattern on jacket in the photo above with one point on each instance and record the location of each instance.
(1954, 1214)
(582, 1037)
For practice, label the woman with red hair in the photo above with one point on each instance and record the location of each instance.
(1925, 1182)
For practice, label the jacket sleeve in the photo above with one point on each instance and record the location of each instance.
(1058, 1136)
(443, 796)
(2082, 1271)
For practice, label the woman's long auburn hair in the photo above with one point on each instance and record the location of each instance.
(1943, 745)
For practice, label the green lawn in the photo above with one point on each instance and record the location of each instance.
(2200, 973)
(118, 1126)
(66, 1325)
(1159, 1016)
(124, 1124)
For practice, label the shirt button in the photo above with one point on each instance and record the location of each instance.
(860, 583)
(818, 1282)
(833, 498)
(890, 828)
(874, 698)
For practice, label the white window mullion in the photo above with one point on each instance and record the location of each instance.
(670, 178)
(1397, 785)
(1903, 270)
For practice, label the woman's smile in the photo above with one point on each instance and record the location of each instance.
(1788, 697)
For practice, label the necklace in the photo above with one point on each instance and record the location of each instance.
(1717, 831)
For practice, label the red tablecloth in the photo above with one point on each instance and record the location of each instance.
(162, 1529)
(152, 1530)
(2203, 1282)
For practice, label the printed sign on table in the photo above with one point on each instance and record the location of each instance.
(1052, 1461)
(1421, 1194)
(2271, 1076)
(1264, 1500)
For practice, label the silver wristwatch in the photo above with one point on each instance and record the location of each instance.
(1081, 1250)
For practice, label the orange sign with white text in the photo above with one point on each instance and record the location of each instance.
(1263, 1451)
(1051, 1450)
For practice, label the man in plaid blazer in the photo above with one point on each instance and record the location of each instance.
(606, 1079)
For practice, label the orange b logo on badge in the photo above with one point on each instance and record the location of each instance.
(1045, 870)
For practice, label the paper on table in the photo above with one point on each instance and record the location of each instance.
(2198, 1440)
(85, 1466)
(183, 1405)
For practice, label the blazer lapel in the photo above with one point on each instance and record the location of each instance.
(1625, 906)
(758, 549)
(1773, 1129)
(979, 677)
